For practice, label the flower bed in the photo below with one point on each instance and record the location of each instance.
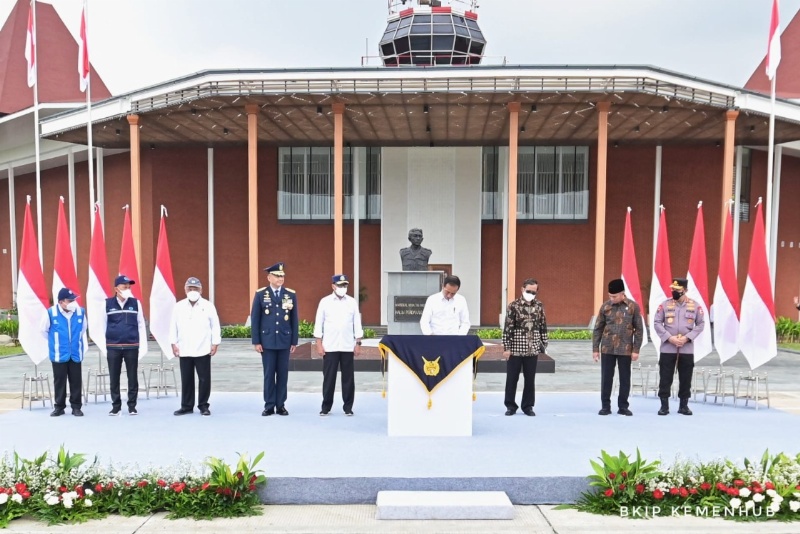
(65, 488)
(769, 489)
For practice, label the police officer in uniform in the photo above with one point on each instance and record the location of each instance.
(677, 322)
(274, 326)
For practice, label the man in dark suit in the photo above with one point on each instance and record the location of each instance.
(274, 327)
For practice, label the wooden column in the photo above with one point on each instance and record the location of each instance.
(727, 167)
(252, 195)
(136, 190)
(513, 150)
(338, 169)
(600, 210)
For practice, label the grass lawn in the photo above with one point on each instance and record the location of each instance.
(8, 351)
(790, 346)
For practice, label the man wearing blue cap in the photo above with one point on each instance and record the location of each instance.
(126, 341)
(274, 327)
(338, 331)
(66, 334)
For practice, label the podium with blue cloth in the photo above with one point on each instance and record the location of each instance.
(430, 384)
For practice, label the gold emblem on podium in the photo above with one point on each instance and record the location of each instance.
(431, 368)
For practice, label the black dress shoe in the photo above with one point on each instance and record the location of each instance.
(511, 412)
(57, 412)
(529, 413)
(282, 411)
(265, 413)
(324, 413)
(77, 412)
(349, 413)
(625, 411)
(684, 410)
(205, 413)
(604, 411)
(182, 412)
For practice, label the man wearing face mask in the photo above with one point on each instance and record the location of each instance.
(524, 338)
(126, 341)
(338, 331)
(65, 328)
(677, 322)
(194, 335)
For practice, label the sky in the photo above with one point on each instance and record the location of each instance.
(137, 43)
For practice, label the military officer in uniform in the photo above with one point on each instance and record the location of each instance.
(677, 322)
(274, 326)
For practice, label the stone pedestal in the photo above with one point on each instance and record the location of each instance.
(406, 294)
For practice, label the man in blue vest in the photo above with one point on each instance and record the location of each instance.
(66, 334)
(274, 327)
(126, 341)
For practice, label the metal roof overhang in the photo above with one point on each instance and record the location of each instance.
(466, 106)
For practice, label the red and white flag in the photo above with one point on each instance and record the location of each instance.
(662, 277)
(64, 274)
(127, 257)
(757, 337)
(99, 288)
(698, 284)
(30, 48)
(32, 301)
(630, 271)
(774, 46)
(83, 53)
(726, 299)
(162, 295)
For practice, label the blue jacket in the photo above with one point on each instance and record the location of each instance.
(122, 325)
(66, 337)
(273, 322)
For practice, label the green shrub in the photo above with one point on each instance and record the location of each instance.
(306, 329)
(236, 331)
(569, 334)
(369, 333)
(9, 327)
(490, 333)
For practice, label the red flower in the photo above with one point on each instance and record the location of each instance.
(127, 484)
(640, 488)
(770, 485)
(26, 494)
(705, 486)
(205, 486)
(733, 492)
(110, 486)
(161, 483)
(62, 489)
(684, 492)
(179, 487)
(758, 489)
(738, 483)
(2, 489)
(721, 486)
(98, 488)
(622, 487)
(658, 494)
(142, 483)
(219, 491)
(673, 491)
(693, 491)
(612, 476)
(227, 492)
(253, 487)
(253, 479)
(20, 487)
(239, 475)
(609, 492)
(624, 474)
(797, 487)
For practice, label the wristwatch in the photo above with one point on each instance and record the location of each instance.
(358, 343)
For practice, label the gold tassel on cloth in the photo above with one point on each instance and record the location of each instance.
(430, 401)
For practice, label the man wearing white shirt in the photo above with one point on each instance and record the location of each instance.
(194, 335)
(338, 331)
(445, 313)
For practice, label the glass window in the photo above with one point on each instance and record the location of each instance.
(402, 32)
(443, 42)
(422, 19)
(744, 190)
(401, 45)
(476, 48)
(443, 29)
(405, 22)
(305, 184)
(442, 18)
(461, 30)
(472, 24)
(392, 25)
(462, 44)
(424, 29)
(420, 42)
(387, 49)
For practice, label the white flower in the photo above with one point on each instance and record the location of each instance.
(51, 500)
(736, 503)
(749, 504)
(796, 494)
(744, 492)
(3, 498)
(17, 498)
(794, 506)
(87, 503)
(772, 493)
(775, 507)
(67, 503)
(89, 492)
(758, 497)
(777, 498)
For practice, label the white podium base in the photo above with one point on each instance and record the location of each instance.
(451, 410)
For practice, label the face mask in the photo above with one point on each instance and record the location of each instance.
(193, 296)
(528, 296)
(340, 291)
(676, 295)
(72, 306)
(125, 294)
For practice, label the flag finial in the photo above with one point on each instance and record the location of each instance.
(164, 211)
(61, 199)
(759, 201)
(126, 206)
(28, 198)
(700, 204)
(661, 207)
(630, 209)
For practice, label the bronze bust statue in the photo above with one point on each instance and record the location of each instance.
(415, 257)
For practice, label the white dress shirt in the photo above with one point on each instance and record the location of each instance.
(443, 317)
(338, 323)
(194, 329)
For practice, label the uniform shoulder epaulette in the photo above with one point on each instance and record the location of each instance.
(289, 290)
(261, 289)
(690, 301)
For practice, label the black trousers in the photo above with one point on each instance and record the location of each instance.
(115, 359)
(527, 364)
(275, 363)
(666, 365)
(190, 365)
(330, 366)
(608, 362)
(63, 372)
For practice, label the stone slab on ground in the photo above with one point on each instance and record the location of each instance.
(444, 505)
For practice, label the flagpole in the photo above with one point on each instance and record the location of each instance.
(36, 138)
(90, 152)
(770, 164)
